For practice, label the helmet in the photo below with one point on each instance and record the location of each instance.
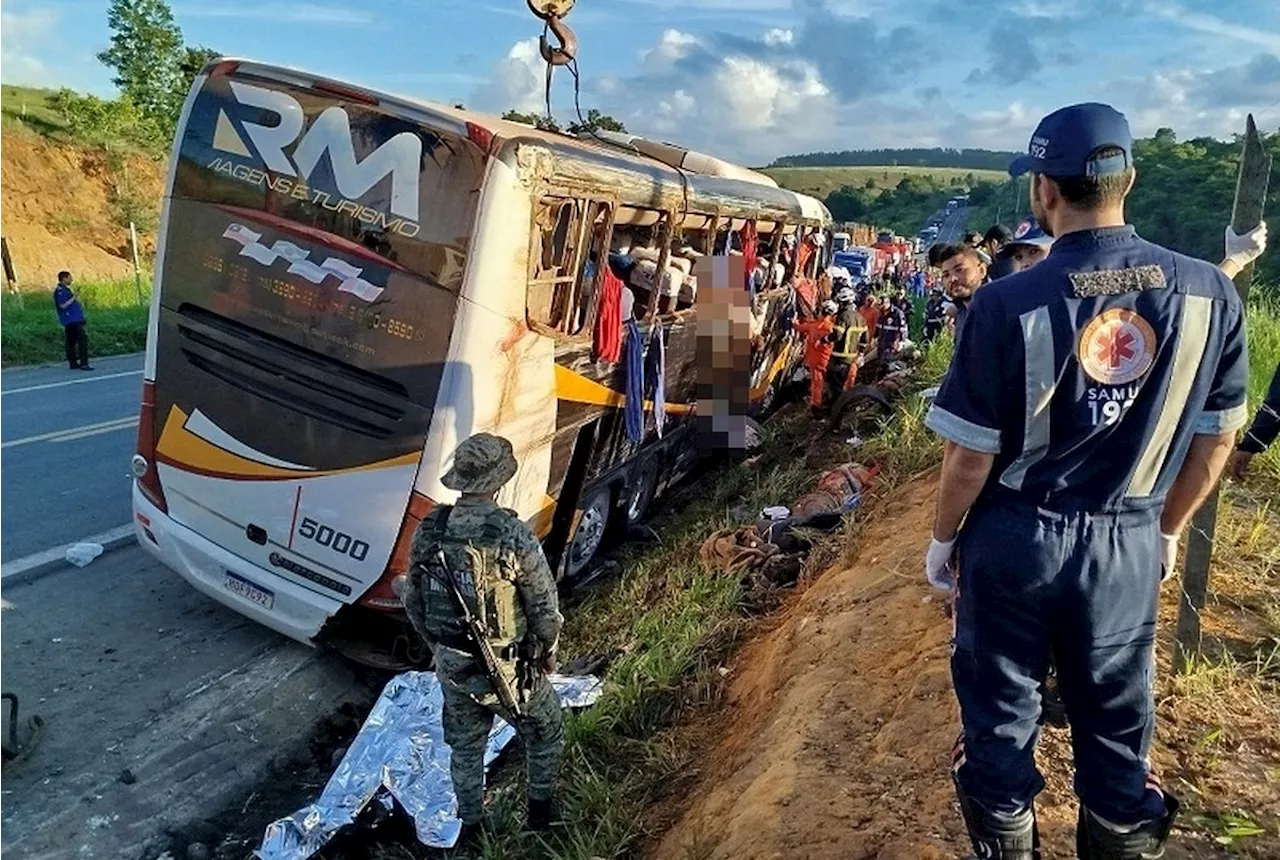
(845, 295)
(483, 463)
(829, 307)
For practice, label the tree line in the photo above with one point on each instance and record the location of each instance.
(968, 159)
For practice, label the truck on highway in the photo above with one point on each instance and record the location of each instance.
(349, 283)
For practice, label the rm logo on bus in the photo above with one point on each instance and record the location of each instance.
(399, 157)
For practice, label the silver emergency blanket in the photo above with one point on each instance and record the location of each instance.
(400, 753)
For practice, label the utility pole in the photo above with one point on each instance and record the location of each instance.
(1251, 193)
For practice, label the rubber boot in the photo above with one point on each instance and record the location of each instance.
(541, 813)
(1000, 837)
(1096, 841)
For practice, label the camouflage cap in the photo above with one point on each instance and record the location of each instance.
(481, 464)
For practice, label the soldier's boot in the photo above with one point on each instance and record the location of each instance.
(1000, 837)
(542, 813)
(470, 835)
(1098, 840)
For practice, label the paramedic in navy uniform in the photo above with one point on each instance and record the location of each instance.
(1089, 411)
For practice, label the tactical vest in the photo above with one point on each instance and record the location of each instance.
(485, 573)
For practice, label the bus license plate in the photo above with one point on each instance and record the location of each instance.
(244, 588)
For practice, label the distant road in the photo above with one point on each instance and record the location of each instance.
(66, 440)
(953, 226)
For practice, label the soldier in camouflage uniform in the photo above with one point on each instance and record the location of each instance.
(508, 585)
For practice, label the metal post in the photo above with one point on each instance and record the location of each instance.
(1251, 193)
(137, 274)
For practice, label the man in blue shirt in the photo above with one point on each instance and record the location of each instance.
(71, 315)
(1090, 409)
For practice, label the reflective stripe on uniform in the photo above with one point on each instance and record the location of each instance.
(1193, 338)
(1225, 421)
(972, 436)
(1041, 381)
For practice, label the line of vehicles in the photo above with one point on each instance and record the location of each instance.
(348, 284)
(930, 233)
(865, 262)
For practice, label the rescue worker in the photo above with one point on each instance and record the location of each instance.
(503, 576)
(1029, 245)
(1262, 432)
(1130, 360)
(850, 338)
(934, 316)
(818, 347)
(892, 328)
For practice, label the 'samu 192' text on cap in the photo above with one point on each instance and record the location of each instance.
(1065, 143)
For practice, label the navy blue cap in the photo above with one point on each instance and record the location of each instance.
(1065, 141)
(1028, 232)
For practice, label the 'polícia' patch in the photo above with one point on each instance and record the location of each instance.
(1114, 282)
(1117, 347)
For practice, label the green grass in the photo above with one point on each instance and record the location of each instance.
(30, 333)
(29, 106)
(821, 181)
(1264, 355)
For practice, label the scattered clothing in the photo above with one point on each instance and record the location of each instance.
(633, 409)
(655, 374)
(608, 334)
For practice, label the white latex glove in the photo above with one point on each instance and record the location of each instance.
(937, 564)
(1243, 250)
(1168, 555)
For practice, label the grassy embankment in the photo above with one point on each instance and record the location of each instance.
(669, 625)
(30, 333)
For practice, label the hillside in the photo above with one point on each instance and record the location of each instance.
(66, 205)
(821, 181)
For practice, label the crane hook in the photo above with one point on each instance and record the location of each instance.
(567, 47)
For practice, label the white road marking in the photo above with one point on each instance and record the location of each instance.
(22, 565)
(71, 382)
(70, 433)
(125, 425)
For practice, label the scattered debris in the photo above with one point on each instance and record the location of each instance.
(81, 554)
(399, 757)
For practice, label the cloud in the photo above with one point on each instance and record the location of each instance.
(1013, 57)
(1214, 26)
(672, 47)
(23, 39)
(1196, 102)
(777, 36)
(517, 81)
(290, 13)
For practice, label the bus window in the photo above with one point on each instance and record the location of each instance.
(597, 256)
(557, 225)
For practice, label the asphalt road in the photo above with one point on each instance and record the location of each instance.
(130, 667)
(953, 226)
(65, 445)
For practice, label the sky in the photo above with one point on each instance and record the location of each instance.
(747, 80)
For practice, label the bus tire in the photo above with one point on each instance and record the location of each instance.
(859, 405)
(593, 521)
(641, 488)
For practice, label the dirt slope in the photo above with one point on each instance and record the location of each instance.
(837, 738)
(61, 205)
(843, 718)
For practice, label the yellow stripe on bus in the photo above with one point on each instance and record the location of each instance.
(182, 448)
(578, 389)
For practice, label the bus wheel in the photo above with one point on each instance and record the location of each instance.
(643, 484)
(588, 536)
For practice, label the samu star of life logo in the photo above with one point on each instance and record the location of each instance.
(1117, 347)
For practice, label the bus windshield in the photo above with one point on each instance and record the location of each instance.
(324, 222)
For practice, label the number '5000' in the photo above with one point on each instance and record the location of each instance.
(339, 542)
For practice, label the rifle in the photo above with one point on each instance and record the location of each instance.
(475, 628)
